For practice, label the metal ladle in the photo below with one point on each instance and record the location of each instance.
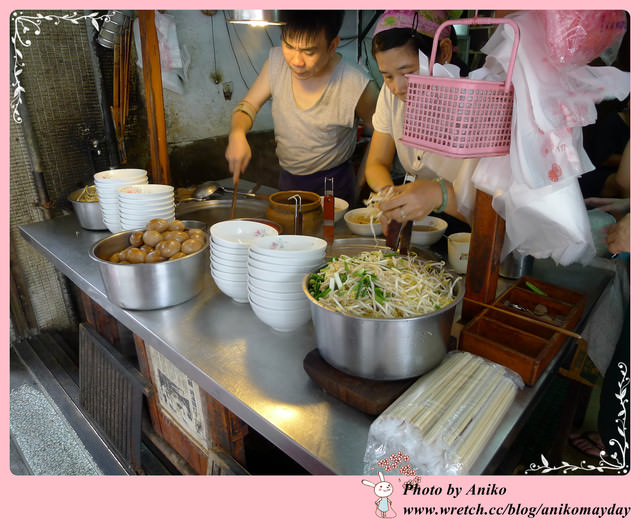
(207, 190)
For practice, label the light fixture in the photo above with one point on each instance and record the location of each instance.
(255, 17)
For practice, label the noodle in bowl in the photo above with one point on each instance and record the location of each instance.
(378, 347)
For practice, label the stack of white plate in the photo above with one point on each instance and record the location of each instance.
(276, 268)
(140, 203)
(107, 184)
(229, 249)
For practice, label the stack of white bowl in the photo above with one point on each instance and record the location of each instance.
(140, 203)
(229, 243)
(107, 184)
(276, 268)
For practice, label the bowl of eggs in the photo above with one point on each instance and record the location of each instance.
(162, 265)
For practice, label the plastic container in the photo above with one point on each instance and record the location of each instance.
(458, 117)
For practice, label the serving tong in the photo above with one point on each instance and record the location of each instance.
(399, 236)
(297, 214)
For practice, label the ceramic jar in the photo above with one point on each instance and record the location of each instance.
(282, 210)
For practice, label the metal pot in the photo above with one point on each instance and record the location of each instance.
(383, 349)
(213, 211)
(89, 213)
(150, 286)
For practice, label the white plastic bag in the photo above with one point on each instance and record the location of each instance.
(535, 187)
(174, 59)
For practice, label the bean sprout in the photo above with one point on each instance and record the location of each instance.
(383, 285)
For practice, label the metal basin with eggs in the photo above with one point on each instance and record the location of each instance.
(150, 286)
(383, 348)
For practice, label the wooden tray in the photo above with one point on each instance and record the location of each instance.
(369, 396)
(513, 341)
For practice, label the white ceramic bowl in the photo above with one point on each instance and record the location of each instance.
(293, 259)
(222, 274)
(228, 258)
(292, 267)
(275, 276)
(340, 207)
(146, 191)
(110, 187)
(428, 230)
(236, 290)
(233, 232)
(148, 215)
(274, 287)
(285, 295)
(278, 304)
(288, 320)
(288, 246)
(358, 222)
(114, 174)
(228, 267)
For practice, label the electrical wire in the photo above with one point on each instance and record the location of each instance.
(213, 43)
(236, 57)
(244, 49)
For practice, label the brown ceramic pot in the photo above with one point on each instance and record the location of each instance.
(282, 210)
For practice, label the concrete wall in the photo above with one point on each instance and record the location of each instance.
(197, 113)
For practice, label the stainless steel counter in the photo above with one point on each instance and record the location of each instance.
(256, 372)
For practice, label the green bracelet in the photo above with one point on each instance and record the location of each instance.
(445, 195)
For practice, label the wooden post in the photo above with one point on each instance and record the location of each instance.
(153, 93)
(484, 256)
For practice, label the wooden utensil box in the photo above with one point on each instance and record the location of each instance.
(515, 342)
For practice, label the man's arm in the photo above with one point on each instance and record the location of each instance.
(238, 153)
(367, 104)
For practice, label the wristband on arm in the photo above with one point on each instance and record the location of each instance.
(247, 109)
(445, 195)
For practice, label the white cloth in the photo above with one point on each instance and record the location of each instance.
(389, 119)
(174, 58)
(535, 187)
(324, 135)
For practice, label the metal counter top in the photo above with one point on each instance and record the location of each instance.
(256, 372)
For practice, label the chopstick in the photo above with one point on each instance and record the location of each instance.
(121, 72)
(235, 199)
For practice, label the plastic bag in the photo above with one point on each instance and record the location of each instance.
(576, 37)
(536, 187)
(441, 424)
(174, 59)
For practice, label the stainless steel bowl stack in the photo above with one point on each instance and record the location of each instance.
(150, 286)
(383, 348)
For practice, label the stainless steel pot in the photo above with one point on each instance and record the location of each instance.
(212, 211)
(383, 349)
(89, 213)
(150, 286)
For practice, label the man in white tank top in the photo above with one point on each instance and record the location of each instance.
(317, 100)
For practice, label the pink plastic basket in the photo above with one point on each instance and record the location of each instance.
(458, 117)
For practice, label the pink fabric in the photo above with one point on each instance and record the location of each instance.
(427, 21)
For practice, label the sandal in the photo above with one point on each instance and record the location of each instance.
(588, 443)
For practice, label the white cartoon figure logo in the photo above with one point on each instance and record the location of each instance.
(382, 490)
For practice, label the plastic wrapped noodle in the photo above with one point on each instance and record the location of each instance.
(446, 418)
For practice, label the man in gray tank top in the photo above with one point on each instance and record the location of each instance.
(317, 99)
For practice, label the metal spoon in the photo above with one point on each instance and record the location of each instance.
(206, 190)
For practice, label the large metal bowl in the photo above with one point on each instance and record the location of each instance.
(382, 349)
(89, 213)
(150, 286)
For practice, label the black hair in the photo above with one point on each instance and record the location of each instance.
(400, 36)
(302, 24)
